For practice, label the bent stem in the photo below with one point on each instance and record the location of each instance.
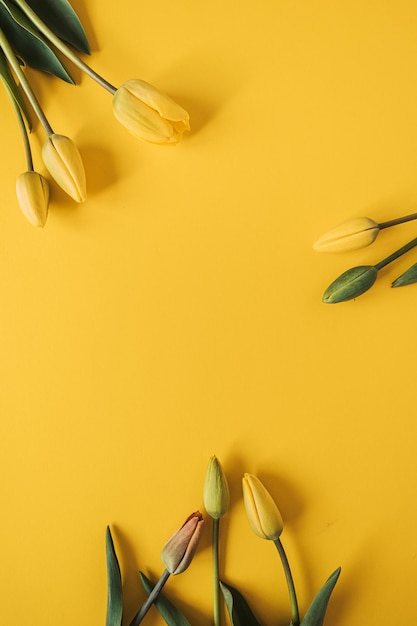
(408, 246)
(62, 47)
(150, 599)
(295, 616)
(14, 63)
(22, 126)
(216, 585)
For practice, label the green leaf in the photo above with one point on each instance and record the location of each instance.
(169, 612)
(407, 278)
(61, 18)
(316, 612)
(114, 584)
(239, 611)
(12, 88)
(28, 43)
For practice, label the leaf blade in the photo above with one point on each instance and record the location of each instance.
(239, 610)
(168, 611)
(317, 610)
(114, 584)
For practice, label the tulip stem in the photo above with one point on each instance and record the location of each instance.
(216, 585)
(22, 126)
(62, 47)
(150, 599)
(411, 244)
(295, 617)
(14, 63)
(398, 220)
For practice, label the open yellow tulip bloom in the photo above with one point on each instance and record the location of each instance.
(32, 192)
(351, 235)
(262, 512)
(64, 163)
(149, 114)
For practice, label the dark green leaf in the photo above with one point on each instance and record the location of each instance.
(114, 584)
(28, 43)
(13, 90)
(169, 612)
(239, 611)
(61, 18)
(316, 612)
(407, 278)
(351, 284)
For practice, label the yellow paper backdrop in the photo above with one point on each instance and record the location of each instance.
(177, 314)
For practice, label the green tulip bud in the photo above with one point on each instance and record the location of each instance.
(179, 550)
(351, 235)
(32, 192)
(262, 512)
(409, 277)
(216, 489)
(149, 114)
(63, 161)
(351, 284)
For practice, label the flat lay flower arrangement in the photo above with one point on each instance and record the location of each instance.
(265, 521)
(31, 33)
(359, 233)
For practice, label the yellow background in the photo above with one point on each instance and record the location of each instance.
(177, 314)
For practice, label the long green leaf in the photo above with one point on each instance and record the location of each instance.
(114, 584)
(12, 88)
(168, 611)
(407, 278)
(317, 611)
(239, 611)
(28, 43)
(61, 18)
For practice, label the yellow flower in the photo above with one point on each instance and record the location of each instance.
(63, 161)
(262, 512)
(179, 550)
(32, 192)
(351, 235)
(149, 114)
(216, 490)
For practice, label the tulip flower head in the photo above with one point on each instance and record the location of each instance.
(351, 284)
(149, 114)
(216, 489)
(262, 512)
(179, 550)
(32, 192)
(351, 235)
(63, 161)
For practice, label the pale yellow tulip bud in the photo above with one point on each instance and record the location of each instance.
(216, 489)
(149, 114)
(64, 163)
(262, 512)
(351, 235)
(32, 192)
(179, 550)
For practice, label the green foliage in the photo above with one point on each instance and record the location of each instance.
(114, 584)
(239, 611)
(169, 612)
(12, 88)
(407, 278)
(61, 18)
(317, 610)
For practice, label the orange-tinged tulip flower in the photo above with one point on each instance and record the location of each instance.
(149, 114)
(64, 163)
(32, 192)
(262, 512)
(179, 550)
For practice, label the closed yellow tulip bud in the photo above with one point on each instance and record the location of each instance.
(262, 512)
(32, 192)
(179, 550)
(149, 114)
(63, 161)
(351, 235)
(216, 489)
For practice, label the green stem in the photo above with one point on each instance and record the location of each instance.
(411, 244)
(14, 63)
(150, 599)
(216, 585)
(295, 617)
(22, 126)
(62, 47)
(398, 220)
